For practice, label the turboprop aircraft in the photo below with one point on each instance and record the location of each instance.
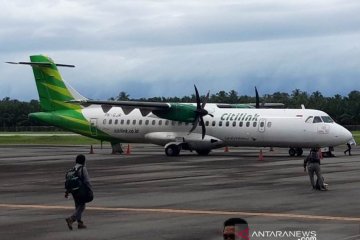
(199, 126)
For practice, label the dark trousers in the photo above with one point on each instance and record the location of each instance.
(348, 150)
(314, 168)
(79, 209)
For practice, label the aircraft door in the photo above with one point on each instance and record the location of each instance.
(262, 124)
(93, 128)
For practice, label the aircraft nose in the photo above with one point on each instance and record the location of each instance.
(343, 135)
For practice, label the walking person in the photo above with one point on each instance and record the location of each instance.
(312, 162)
(78, 184)
(348, 148)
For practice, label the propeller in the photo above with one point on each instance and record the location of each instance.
(200, 112)
(257, 99)
(257, 104)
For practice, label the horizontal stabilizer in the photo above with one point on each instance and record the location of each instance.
(44, 64)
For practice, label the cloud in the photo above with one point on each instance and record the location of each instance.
(162, 48)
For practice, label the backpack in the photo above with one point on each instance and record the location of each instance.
(314, 158)
(73, 181)
(84, 194)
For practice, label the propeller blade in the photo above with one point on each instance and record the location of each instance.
(194, 124)
(200, 112)
(203, 132)
(205, 100)
(198, 106)
(257, 99)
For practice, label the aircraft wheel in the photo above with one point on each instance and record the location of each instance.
(292, 152)
(172, 150)
(203, 152)
(299, 152)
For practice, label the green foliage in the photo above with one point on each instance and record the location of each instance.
(356, 135)
(343, 109)
(15, 113)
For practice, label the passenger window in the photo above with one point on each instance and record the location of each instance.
(160, 122)
(240, 124)
(104, 122)
(173, 123)
(269, 124)
(110, 121)
(179, 123)
(140, 122)
(213, 123)
(122, 122)
(227, 123)
(234, 124)
(146, 122)
(167, 122)
(116, 122)
(254, 124)
(220, 123)
(262, 124)
(309, 119)
(128, 122)
(317, 119)
(153, 122)
(134, 122)
(247, 124)
(207, 123)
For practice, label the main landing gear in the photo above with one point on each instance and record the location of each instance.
(296, 151)
(172, 150)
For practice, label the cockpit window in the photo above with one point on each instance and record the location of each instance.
(327, 119)
(317, 119)
(309, 119)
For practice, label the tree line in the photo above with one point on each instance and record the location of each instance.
(345, 110)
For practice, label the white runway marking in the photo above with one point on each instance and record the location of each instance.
(189, 212)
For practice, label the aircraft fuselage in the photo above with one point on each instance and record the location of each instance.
(228, 127)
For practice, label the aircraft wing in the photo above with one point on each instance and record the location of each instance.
(269, 105)
(250, 105)
(127, 106)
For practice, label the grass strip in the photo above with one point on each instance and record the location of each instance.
(53, 140)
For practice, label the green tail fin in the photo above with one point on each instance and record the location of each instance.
(53, 91)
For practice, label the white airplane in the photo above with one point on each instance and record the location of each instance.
(179, 126)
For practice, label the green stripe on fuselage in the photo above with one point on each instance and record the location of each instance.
(71, 120)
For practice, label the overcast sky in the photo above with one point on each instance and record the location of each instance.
(163, 48)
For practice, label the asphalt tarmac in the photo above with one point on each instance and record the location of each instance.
(146, 195)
